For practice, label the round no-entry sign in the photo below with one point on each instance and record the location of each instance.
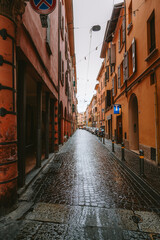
(43, 6)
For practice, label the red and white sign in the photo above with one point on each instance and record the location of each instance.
(43, 6)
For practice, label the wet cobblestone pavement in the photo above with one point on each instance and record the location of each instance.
(151, 171)
(85, 194)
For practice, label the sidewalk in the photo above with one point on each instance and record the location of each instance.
(152, 172)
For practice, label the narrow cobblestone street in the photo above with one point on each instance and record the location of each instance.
(85, 194)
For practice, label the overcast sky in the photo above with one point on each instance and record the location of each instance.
(88, 13)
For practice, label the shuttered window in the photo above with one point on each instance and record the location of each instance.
(124, 30)
(134, 55)
(125, 67)
(62, 27)
(113, 54)
(60, 67)
(62, 79)
(114, 85)
(66, 83)
(106, 75)
(119, 76)
(119, 40)
(109, 55)
(109, 98)
(48, 36)
(66, 47)
(60, 15)
(113, 93)
(151, 32)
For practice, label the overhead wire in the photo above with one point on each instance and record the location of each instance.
(95, 49)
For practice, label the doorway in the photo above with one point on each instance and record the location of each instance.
(133, 123)
(119, 129)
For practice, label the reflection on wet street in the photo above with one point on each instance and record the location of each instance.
(89, 176)
(86, 194)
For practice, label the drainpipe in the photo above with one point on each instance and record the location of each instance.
(156, 122)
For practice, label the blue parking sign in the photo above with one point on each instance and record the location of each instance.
(117, 109)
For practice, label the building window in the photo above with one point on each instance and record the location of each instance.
(129, 61)
(108, 99)
(129, 17)
(120, 75)
(62, 79)
(106, 75)
(130, 13)
(132, 58)
(62, 27)
(66, 47)
(66, 83)
(122, 35)
(151, 33)
(152, 78)
(48, 42)
(120, 39)
(114, 86)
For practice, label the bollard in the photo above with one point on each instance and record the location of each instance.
(103, 140)
(112, 145)
(122, 147)
(141, 163)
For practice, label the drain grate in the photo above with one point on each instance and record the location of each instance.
(136, 219)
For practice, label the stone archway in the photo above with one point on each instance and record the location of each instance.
(133, 123)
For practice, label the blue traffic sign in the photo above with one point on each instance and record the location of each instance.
(117, 109)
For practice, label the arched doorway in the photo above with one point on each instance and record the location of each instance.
(133, 123)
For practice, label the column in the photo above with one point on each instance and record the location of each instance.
(8, 112)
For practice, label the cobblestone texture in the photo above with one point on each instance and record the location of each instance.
(152, 172)
(89, 176)
(84, 194)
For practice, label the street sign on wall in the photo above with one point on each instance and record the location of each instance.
(117, 109)
(43, 6)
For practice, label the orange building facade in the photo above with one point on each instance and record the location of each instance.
(131, 50)
(38, 88)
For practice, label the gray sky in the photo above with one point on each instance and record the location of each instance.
(88, 13)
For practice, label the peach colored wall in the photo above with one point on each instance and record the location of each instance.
(144, 91)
